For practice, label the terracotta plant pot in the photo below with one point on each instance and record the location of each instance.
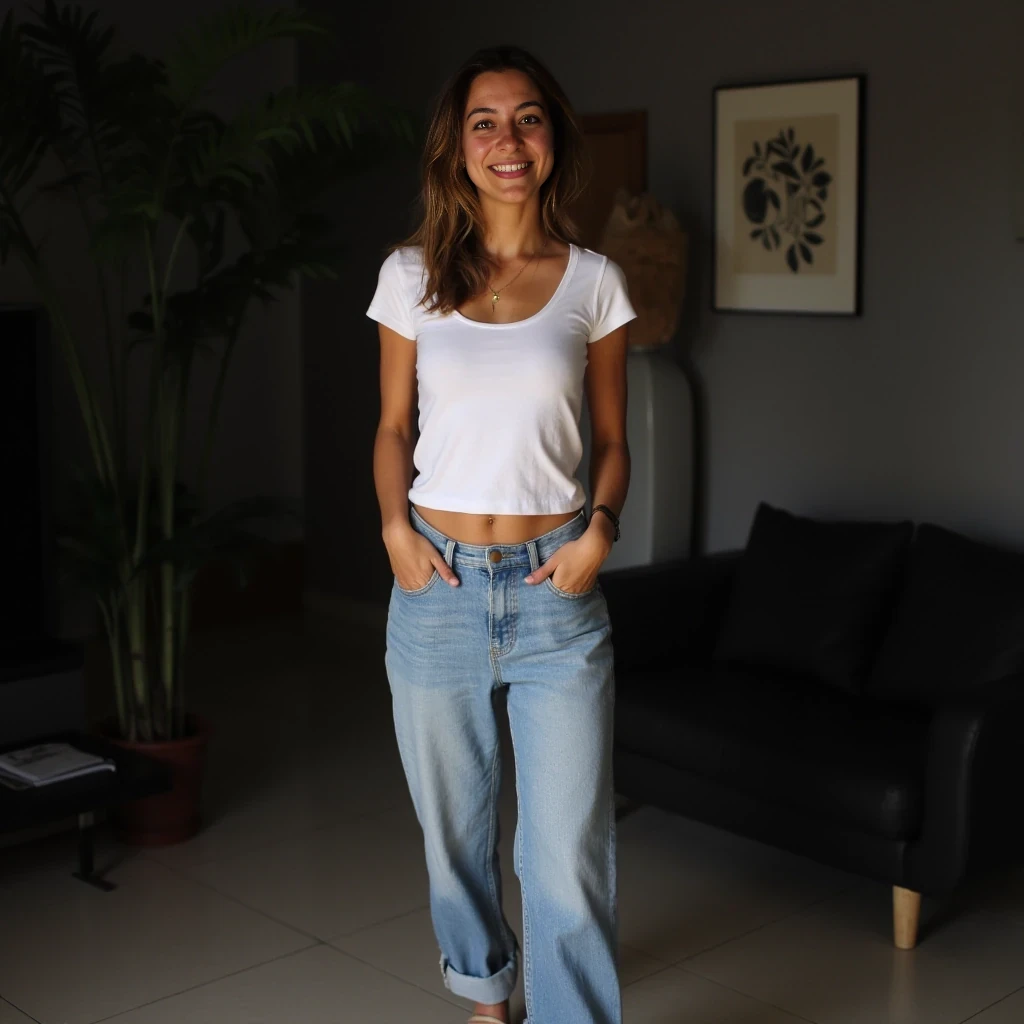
(170, 817)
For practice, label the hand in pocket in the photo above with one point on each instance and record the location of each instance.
(414, 559)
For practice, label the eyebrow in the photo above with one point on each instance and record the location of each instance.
(491, 110)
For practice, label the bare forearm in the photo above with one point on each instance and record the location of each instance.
(392, 474)
(609, 483)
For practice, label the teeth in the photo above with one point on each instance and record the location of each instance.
(510, 167)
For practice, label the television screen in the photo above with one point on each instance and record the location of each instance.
(25, 583)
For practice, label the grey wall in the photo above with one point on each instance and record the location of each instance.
(259, 437)
(911, 410)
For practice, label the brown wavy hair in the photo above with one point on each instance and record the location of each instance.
(451, 230)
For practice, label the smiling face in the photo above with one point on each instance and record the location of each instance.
(507, 140)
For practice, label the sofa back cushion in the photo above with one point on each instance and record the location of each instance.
(959, 621)
(812, 597)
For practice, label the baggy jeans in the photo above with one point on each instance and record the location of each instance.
(448, 648)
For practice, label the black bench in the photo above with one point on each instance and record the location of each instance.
(136, 776)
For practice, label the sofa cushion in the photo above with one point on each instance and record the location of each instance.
(811, 597)
(849, 759)
(959, 621)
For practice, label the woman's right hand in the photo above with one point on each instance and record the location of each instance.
(414, 559)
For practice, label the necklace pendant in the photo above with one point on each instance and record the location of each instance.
(494, 298)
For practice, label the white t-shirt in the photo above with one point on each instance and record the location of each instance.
(499, 404)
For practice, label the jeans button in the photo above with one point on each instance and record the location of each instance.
(495, 556)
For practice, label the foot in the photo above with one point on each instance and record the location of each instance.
(496, 1010)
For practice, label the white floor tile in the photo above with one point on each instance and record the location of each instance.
(635, 965)
(261, 812)
(685, 887)
(1007, 1011)
(404, 946)
(836, 964)
(673, 996)
(12, 1015)
(332, 881)
(70, 953)
(317, 986)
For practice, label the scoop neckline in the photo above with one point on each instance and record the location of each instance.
(562, 285)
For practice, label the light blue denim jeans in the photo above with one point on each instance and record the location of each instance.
(448, 650)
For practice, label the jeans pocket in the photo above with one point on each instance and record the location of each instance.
(435, 576)
(571, 597)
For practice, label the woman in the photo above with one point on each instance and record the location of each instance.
(495, 316)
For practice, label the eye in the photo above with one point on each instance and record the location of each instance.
(488, 121)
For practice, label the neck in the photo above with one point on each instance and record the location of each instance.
(511, 230)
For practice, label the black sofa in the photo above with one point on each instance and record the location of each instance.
(850, 691)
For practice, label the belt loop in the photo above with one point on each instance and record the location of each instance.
(531, 546)
(449, 552)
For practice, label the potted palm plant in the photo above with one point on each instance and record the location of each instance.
(190, 217)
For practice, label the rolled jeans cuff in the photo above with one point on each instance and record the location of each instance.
(495, 989)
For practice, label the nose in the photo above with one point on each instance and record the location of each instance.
(510, 137)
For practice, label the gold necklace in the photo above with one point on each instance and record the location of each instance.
(496, 293)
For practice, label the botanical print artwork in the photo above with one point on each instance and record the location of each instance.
(786, 196)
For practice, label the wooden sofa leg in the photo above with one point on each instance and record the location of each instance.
(906, 912)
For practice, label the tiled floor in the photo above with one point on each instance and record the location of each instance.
(304, 899)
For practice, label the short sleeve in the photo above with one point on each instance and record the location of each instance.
(612, 307)
(391, 304)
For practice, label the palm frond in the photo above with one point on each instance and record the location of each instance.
(196, 320)
(200, 54)
(29, 122)
(221, 537)
(89, 527)
(130, 206)
(108, 108)
(300, 178)
(73, 51)
(193, 323)
(88, 535)
(313, 118)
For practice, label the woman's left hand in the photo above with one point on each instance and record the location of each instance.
(580, 561)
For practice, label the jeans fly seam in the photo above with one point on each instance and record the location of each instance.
(510, 616)
(496, 669)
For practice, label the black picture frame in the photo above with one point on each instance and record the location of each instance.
(773, 291)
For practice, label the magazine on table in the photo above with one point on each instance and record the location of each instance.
(45, 763)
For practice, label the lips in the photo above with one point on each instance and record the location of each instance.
(513, 173)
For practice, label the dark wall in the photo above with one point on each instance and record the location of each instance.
(913, 409)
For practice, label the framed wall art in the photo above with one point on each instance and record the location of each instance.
(788, 197)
